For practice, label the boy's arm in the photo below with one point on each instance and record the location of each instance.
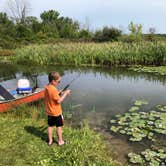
(63, 96)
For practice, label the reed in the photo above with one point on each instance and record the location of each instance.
(102, 54)
(6, 52)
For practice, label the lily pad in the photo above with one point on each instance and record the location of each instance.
(149, 154)
(140, 102)
(134, 139)
(122, 120)
(161, 107)
(161, 124)
(134, 108)
(150, 135)
(144, 125)
(135, 158)
(154, 163)
(113, 121)
(122, 131)
(115, 128)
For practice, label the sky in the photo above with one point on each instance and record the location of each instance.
(96, 14)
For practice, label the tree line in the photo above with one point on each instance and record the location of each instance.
(52, 27)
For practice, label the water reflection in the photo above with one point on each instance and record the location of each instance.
(9, 71)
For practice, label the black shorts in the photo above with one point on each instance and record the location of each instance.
(55, 121)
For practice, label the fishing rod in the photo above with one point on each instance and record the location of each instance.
(69, 83)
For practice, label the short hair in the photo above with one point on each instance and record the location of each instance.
(53, 75)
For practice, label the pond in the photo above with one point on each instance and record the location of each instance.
(98, 94)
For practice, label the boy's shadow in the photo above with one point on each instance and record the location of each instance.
(39, 132)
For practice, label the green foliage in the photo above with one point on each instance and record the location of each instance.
(55, 26)
(7, 28)
(111, 33)
(130, 38)
(159, 70)
(22, 31)
(136, 31)
(85, 34)
(67, 27)
(135, 158)
(28, 30)
(7, 43)
(108, 54)
(49, 17)
(107, 34)
(142, 125)
(33, 24)
(98, 36)
(32, 30)
(24, 134)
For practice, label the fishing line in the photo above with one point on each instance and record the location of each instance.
(74, 79)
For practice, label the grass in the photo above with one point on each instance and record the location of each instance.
(23, 142)
(6, 52)
(92, 54)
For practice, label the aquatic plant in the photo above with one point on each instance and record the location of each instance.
(160, 70)
(138, 126)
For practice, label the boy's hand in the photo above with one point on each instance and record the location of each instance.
(67, 92)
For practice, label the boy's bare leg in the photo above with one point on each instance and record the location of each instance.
(59, 134)
(50, 135)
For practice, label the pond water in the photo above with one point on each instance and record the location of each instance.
(97, 95)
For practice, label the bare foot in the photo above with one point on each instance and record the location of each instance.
(50, 143)
(61, 143)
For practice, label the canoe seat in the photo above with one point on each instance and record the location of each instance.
(5, 94)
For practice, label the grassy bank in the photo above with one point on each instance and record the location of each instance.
(107, 54)
(23, 142)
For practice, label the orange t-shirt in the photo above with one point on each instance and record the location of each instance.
(51, 96)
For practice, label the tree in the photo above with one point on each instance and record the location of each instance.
(135, 31)
(33, 23)
(3, 18)
(22, 31)
(151, 35)
(49, 23)
(18, 10)
(107, 34)
(6, 25)
(55, 26)
(85, 34)
(111, 33)
(98, 36)
(49, 17)
(67, 27)
(152, 30)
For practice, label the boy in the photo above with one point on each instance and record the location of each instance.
(53, 106)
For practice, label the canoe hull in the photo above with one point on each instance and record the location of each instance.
(6, 105)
